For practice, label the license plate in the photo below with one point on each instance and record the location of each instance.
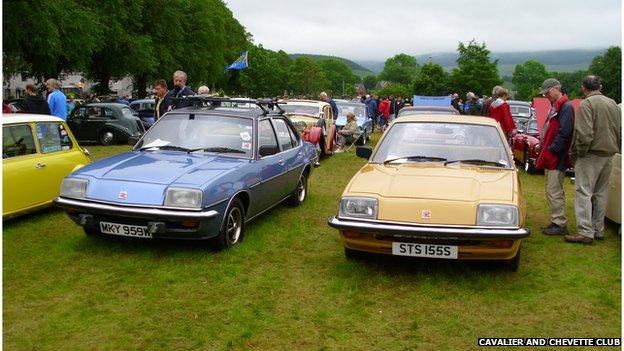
(124, 230)
(424, 250)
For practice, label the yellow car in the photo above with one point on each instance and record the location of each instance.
(38, 151)
(314, 120)
(436, 186)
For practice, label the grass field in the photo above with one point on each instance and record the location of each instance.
(289, 287)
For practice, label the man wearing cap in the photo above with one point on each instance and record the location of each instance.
(597, 138)
(554, 158)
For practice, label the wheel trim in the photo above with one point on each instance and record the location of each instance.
(234, 226)
(108, 137)
(526, 166)
(301, 190)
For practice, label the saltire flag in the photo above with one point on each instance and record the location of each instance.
(240, 63)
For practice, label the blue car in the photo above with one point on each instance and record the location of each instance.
(198, 173)
(365, 125)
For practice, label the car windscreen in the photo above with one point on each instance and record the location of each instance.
(521, 111)
(300, 109)
(532, 127)
(424, 112)
(418, 141)
(359, 110)
(210, 133)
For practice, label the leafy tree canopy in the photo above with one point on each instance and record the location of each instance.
(527, 78)
(609, 68)
(399, 69)
(475, 71)
(431, 80)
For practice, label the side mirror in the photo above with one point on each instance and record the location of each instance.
(364, 151)
(267, 150)
(520, 131)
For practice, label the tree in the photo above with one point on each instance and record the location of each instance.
(431, 80)
(475, 72)
(306, 78)
(340, 77)
(399, 69)
(527, 78)
(370, 81)
(395, 90)
(265, 77)
(609, 68)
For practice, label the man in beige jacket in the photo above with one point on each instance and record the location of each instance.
(597, 137)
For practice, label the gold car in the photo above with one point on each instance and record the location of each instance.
(314, 120)
(436, 186)
(38, 151)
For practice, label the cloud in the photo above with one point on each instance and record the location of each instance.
(369, 29)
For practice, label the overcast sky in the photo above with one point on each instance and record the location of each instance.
(377, 29)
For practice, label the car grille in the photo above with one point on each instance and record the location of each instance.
(460, 242)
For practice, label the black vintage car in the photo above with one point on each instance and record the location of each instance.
(106, 123)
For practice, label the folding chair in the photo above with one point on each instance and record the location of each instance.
(356, 136)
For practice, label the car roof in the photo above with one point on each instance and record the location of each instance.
(305, 102)
(519, 103)
(104, 104)
(141, 100)
(11, 118)
(448, 118)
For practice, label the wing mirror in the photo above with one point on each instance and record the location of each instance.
(364, 151)
(520, 131)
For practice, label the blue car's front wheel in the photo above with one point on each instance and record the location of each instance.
(233, 227)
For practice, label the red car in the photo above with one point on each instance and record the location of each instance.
(525, 145)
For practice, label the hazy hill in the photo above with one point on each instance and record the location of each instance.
(555, 60)
(357, 69)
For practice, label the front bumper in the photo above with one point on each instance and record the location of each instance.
(474, 243)
(161, 222)
(424, 231)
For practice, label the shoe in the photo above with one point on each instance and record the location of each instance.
(580, 239)
(599, 238)
(554, 229)
(337, 151)
(549, 226)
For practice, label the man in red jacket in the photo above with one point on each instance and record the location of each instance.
(500, 111)
(554, 156)
(384, 111)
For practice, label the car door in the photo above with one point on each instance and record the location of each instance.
(59, 157)
(293, 160)
(96, 120)
(77, 122)
(271, 167)
(22, 172)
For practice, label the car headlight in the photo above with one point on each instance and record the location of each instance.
(497, 215)
(74, 187)
(358, 207)
(183, 197)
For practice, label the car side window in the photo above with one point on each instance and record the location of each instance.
(17, 140)
(294, 136)
(127, 112)
(108, 113)
(283, 136)
(267, 142)
(81, 112)
(53, 137)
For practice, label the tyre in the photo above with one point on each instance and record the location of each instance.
(233, 226)
(529, 167)
(300, 193)
(107, 137)
(514, 263)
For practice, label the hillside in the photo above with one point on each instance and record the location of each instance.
(555, 60)
(357, 69)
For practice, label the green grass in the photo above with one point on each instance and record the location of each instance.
(288, 286)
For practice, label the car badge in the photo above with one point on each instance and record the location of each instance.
(123, 195)
(425, 214)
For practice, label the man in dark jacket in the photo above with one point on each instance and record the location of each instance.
(162, 100)
(325, 98)
(34, 103)
(554, 156)
(180, 90)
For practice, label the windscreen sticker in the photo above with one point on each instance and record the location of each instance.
(245, 136)
(246, 146)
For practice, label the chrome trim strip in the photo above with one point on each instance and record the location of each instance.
(427, 231)
(135, 211)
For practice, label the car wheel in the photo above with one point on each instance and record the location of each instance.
(529, 167)
(300, 193)
(107, 137)
(233, 227)
(514, 263)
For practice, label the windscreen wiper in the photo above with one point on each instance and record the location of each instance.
(167, 147)
(418, 158)
(477, 161)
(222, 150)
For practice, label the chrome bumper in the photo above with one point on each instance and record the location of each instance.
(149, 212)
(423, 231)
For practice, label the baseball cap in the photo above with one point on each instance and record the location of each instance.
(548, 84)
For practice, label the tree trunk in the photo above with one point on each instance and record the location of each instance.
(139, 86)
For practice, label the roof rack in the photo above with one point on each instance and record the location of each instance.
(266, 105)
